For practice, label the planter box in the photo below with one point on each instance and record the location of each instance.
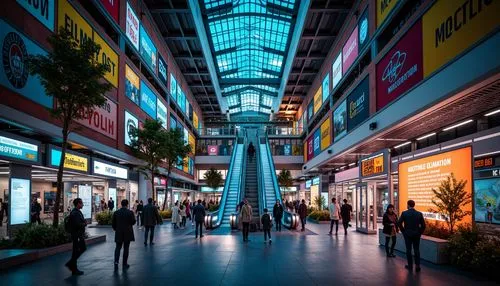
(99, 226)
(13, 257)
(318, 221)
(431, 249)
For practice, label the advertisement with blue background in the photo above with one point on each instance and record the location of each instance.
(162, 70)
(14, 74)
(173, 88)
(287, 150)
(161, 113)
(173, 122)
(147, 49)
(19, 150)
(340, 121)
(358, 103)
(317, 140)
(326, 87)
(43, 11)
(148, 100)
(363, 30)
(310, 111)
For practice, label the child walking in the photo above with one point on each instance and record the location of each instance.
(266, 226)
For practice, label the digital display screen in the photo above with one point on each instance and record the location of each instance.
(20, 192)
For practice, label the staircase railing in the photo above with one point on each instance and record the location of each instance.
(260, 180)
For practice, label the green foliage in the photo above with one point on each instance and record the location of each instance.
(166, 214)
(213, 208)
(320, 215)
(451, 200)
(104, 218)
(72, 75)
(285, 178)
(319, 202)
(32, 236)
(213, 178)
(437, 230)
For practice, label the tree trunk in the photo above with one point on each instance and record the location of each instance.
(60, 171)
(166, 189)
(153, 194)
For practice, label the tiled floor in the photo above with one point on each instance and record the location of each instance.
(294, 258)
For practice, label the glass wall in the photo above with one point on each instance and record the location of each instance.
(286, 147)
(214, 147)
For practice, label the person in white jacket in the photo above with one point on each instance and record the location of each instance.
(175, 216)
(334, 209)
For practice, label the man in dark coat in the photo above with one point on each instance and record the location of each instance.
(278, 214)
(412, 225)
(199, 218)
(151, 219)
(123, 221)
(111, 204)
(77, 226)
(36, 208)
(345, 214)
(303, 214)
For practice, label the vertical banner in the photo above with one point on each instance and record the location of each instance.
(85, 193)
(310, 111)
(132, 85)
(173, 88)
(401, 68)
(113, 8)
(337, 71)
(19, 201)
(310, 147)
(326, 87)
(340, 121)
(147, 49)
(305, 151)
(162, 70)
(148, 100)
(132, 27)
(358, 103)
(131, 123)
(364, 31)
(317, 142)
(318, 100)
(42, 10)
(161, 112)
(195, 120)
(350, 51)
(326, 136)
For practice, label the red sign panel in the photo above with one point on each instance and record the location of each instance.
(101, 119)
(213, 150)
(113, 7)
(310, 148)
(401, 68)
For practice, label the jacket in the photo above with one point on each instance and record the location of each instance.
(139, 208)
(175, 214)
(123, 221)
(246, 213)
(411, 223)
(386, 221)
(302, 211)
(199, 213)
(111, 205)
(334, 210)
(151, 215)
(345, 212)
(77, 223)
(266, 221)
(277, 211)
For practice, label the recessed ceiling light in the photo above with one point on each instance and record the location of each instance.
(403, 144)
(426, 136)
(458, 125)
(492, 112)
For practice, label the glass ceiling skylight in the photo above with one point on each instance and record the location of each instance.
(249, 40)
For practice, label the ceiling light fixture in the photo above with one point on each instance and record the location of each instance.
(492, 112)
(352, 164)
(401, 145)
(426, 136)
(458, 125)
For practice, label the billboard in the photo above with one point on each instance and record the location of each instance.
(161, 112)
(418, 177)
(195, 120)
(14, 74)
(213, 150)
(181, 99)
(131, 123)
(173, 88)
(113, 8)
(132, 85)
(350, 51)
(450, 27)
(363, 30)
(162, 70)
(19, 201)
(132, 27)
(317, 142)
(326, 87)
(373, 165)
(310, 111)
(148, 100)
(384, 7)
(487, 191)
(19, 150)
(43, 11)
(147, 49)
(337, 71)
(401, 68)
(318, 100)
(310, 148)
(101, 119)
(340, 121)
(85, 193)
(81, 30)
(326, 134)
(72, 161)
(358, 103)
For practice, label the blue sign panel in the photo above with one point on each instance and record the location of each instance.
(308, 184)
(18, 149)
(42, 10)
(162, 70)
(148, 100)
(315, 181)
(190, 167)
(287, 150)
(340, 121)
(326, 87)
(358, 104)
(317, 141)
(310, 111)
(173, 88)
(147, 49)
(173, 122)
(14, 73)
(363, 33)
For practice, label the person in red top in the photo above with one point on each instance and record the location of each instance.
(303, 214)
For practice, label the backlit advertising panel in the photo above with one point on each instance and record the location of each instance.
(72, 160)
(340, 121)
(326, 87)
(106, 169)
(384, 7)
(148, 100)
(101, 119)
(85, 193)
(195, 120)
(181, 99)
(337, 71)
(326, 134)
(132, 27)
(42, 10)
(363, 30)
(173, 122)
(350, 51)
(358, 103)
(19, 201)
(14, 74)
(161, 112)
(487, 200)
(132, 85)
(213, 150)
(317, 142)
(162, 70)
(373, 165)
(113, 8)
(131, 123)
(318, 100)
(450, 27)
(401, 68)
(310, 148)
(173, 88)
(147, 49)
(18, 150)
(418, 177)
(310, 111)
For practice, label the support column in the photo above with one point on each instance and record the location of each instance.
(19, 197)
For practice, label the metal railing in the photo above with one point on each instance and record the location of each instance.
(236, 214)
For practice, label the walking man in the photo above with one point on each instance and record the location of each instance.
(36, 208)
(111, 204)
(76, 226)
(199, 217)
(303, 214)
(345, 213)
(266, 226)
(334, 210)
(123, 221)
(151, 219)
(278, 214)
(246, 219)
(412, 225)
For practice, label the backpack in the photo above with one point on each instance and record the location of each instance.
(67, 223)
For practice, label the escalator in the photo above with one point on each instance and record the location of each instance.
(231, 193)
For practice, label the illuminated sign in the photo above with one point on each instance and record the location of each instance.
(315, 181)
(71, 160)
(101, 119)
(42, 10)
(350, 51)
(132, 27)
(340, 121)
(484, 162)
(358, 105)
(363, 31)
(337, 71)
(374, 165)
(131, 123)
(384, 7)
(106, 169)
(147, 49)
(213, 150)
(148, 100)
(326, 137)
(162, 70)
(308, 184)
(132, 85)
(113, 8)
(20, 150)
(173, 88)
(161, 112)
(195, 120)
(19, 201)
(326, 87)
(318, 100)
(85, 193)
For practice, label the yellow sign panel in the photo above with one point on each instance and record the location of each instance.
(326, 137)
(81, 31)
(372, 166)
(195, 120)
(186, 166)
(132, 77)
(450, 27)
(192, 143)
(384, 7)
(305, 151)
(318, 100)
(74, 162)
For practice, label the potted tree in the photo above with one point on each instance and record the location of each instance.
(214, 180)
(285, 179)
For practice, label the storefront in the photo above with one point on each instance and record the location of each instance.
(345, 187)
(487, 190)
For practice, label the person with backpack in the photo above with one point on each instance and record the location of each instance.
(122, 223)
(75, 224)
(266, 226)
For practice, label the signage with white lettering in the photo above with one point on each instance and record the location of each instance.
(106, 169)
(337, 71)
(162, 69)
(132, 27)
(101, 119)
(358, 105)
(19, 201)
(20, 150)
(42, 10)
(131, 123)
(161, 112)
(85, 193)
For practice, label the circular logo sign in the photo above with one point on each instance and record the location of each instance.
(14, 55)
(130, 127)
(363, 31)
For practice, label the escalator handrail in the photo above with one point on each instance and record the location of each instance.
(260, 179)
(243, 171)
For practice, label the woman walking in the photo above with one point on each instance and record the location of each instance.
(182, 213)
(390, 229)
(175, 215)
